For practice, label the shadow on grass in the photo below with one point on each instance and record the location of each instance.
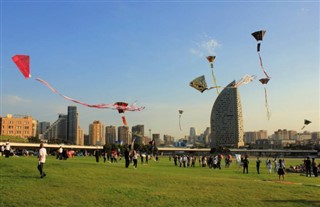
(21, 176)
(295, 201)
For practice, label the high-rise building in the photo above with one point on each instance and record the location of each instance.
(281, 134)
(193, 134)
(19, 125)
(123, 135)
(168, 140)
(292, 134)
(138, 134)
(80, 136)
(262, 134)
(206, 135)
(57, 132)
(110, 134)
(43, 126)
(252, 137)
(156, 138)
(226, 119)
(72, 125)
(97, 133)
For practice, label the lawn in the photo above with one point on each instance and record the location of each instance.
(83, 182)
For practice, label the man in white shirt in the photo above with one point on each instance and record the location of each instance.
(7, 149)
(42, 160)
(60, 151)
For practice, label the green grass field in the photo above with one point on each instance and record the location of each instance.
(83, 182)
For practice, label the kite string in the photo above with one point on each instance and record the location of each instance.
(264, 71)
(214, 80)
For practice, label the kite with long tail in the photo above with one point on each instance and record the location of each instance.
(180, 113)
(258, 35)
(23, 64)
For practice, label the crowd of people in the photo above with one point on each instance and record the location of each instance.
(309, 167)
(278, 166)
(210, 161)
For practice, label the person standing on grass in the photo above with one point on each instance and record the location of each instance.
(314, 167)
(269, 166)
(135, 159)
(42, 159)
(126, 157)
(245, 164)
(7, 149)
(147, 157)
(258, 161)
(97, 154)
(60, 151)
(141, 158)
(308, 166)
(281, 169)
(275, 162)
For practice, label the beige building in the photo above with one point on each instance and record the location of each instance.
(252, 137)
(80, 136)
(97, 133)
(18, 126)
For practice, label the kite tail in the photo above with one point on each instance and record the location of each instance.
(55, 91)
(266, 103)
(214, 81)
(180, 122)
(264, 71)
(258, 47)
(47, 84)
(303, 127)
(124, 121)
(99, 106)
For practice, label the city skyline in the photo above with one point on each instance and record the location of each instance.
(147, 53)
(12, 125)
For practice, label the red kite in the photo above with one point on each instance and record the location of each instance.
(23, 63)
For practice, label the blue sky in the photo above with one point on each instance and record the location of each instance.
(109, 51)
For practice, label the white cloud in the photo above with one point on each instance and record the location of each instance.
(206, 46)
